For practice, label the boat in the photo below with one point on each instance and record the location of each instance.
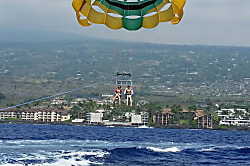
(144, 127)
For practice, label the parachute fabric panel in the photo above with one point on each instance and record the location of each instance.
(132, 13)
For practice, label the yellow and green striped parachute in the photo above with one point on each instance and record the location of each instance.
(128, 14)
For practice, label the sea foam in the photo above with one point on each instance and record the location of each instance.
(58, 158)
(67, 162)
(207, 150)
(172, 149)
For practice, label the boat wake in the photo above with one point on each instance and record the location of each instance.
(62, 158)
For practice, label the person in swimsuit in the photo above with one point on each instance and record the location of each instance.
(118, 92)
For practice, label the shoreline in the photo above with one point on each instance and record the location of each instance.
(229, 128)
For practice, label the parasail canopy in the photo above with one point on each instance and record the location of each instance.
(128, 14)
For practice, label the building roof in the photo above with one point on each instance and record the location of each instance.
(80, 99)
(39, 110)
(184, 111)
(166, 111)
(199, 113)
(10, 109)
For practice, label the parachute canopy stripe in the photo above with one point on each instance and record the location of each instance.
(133, 13)
(132, 5)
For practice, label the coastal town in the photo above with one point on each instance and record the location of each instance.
(143, 114)
(124, 83)
(175, 86)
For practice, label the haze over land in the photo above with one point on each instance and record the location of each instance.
(163, 73)
(54, 53)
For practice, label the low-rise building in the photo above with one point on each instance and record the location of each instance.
(203, 120)
(142, 102)
(100, 103)
(235, 122)
(234, 117)
(94, 118)
(100, 110)
(141, 119)
(58, 101)
(39, 114)
(78, 100)
(163, 117)
(136, 119)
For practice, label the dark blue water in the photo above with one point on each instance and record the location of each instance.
(79, 145)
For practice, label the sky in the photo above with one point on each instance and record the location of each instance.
(205, 22)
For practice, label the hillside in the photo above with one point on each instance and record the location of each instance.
(160, 72)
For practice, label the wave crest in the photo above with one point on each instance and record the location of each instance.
(172, 149)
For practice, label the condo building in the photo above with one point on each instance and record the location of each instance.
(37, 114)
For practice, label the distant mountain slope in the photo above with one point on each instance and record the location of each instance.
(34, 69)
(8, 35)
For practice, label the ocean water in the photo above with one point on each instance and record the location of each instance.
(57, 145)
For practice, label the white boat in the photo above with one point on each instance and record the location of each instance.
(110, 126)
(144, 127)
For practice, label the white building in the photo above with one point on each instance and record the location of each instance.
(234, 117)
(136, 119)
(141, 119)
(37, 114)
(142, 102)
(78, 100)
(236, 122)
(100, 103)
(100, 110)
(94, 117)
(58, 101)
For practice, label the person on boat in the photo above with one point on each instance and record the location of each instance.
(118, 92)
(129, 92)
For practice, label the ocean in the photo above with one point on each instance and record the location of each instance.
(61, 145)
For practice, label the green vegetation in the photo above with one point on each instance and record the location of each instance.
(13, 119)
(188, 123)
(163, 74)
(79, 111)
(223, 127)
(68, 121)
(117, 113)
(215, 118)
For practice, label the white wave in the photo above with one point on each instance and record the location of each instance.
(54, 144)
(57, 141)
(33, 156)
(76, 158)
(98, 154)
(207, 150)
(11, 164)
(172, 149)
(33, 146)
(50, 144)
(32, 142)
(57, 158)
(67, 162)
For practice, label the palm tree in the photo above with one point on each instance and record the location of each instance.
(192, 108)
(176, 109)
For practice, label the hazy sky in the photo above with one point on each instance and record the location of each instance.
(223, 22)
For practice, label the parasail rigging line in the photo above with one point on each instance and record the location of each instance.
(49, 97)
